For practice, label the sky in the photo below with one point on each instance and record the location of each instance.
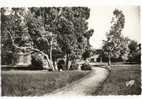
(100, 18)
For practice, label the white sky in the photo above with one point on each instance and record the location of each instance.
(100, 18)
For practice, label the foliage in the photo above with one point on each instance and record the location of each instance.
(75, 20)
(116, 45)
(13, 23)
(71, 27)
(135, 52)
(86, 66)
(38, 34)
(86, 54)
(53, 28)
(37, 61)
(74, 66)
(61, 65)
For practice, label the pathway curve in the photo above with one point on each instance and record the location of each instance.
(86, 85)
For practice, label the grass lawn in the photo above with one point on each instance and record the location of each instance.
(115, 84)
(31, 83)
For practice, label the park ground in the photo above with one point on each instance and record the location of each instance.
(115, 84)
(31, 83)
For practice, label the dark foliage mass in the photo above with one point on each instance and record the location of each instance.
(135, 52)
(64, 30)
(74, 66)
(85, 66)
(37, 61)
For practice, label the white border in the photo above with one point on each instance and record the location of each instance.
(42, 3)
(69, 3)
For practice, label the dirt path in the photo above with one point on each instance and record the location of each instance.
(86, 85)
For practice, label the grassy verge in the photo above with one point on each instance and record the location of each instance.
(116, 82)
(31, 83)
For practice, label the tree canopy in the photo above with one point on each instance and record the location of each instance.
(64, 29)
(116, 45)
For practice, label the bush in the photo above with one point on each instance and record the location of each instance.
(61, 65)
(7, 58)
(37, 61)
(86, 66)
(135, 58)
(74, 67)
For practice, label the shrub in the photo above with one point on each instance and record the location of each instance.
(61, 65)
(74, 67)
(85, 66)
(37, 61)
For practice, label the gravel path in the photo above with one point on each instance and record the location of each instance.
(86, 85)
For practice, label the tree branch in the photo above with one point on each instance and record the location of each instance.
(32, 49)
(13, 44)
(59, 13)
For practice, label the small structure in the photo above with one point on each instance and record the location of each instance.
(94, 58)
(97, 56)
(23, 58)
(23, 54)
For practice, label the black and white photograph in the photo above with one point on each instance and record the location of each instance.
(73, 51)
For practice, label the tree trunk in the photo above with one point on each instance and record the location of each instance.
(51, 53)
(32, 50)
(48, 60)
(101, 59)
(51, 50)
(67, 60)
(88, 42)
(109, 59)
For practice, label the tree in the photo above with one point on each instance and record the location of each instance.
(115, 45)
(72, 27)
(86, 54)
(48, 19)
(12, 27)
(88, 34)
(23, 26)
(49, 29)
(135, 52)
